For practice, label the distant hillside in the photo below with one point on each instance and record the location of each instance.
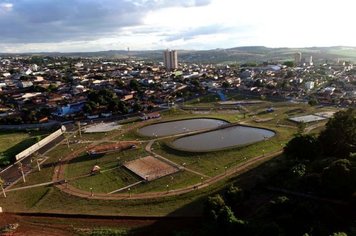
(232, 55)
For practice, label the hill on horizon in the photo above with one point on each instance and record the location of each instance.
(240, 55)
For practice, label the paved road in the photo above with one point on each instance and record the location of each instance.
(12, 173)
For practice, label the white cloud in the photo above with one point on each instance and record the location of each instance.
(90, 25)
(6, 7)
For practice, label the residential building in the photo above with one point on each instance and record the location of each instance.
(297, 58)
(170, 59)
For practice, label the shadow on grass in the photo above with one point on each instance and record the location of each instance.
(189, 219)
(10, 153)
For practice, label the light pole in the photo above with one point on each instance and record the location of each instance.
(3, 191)
(91, 192)
(2, 186)
(167, 186)
(66, 136)
(129, 189)
(22, 173)
(225, 169)
(80, 129)
(38, 164)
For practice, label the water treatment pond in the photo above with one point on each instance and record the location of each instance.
(222, 138)
(180, 126)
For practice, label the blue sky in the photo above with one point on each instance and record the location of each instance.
(94, 25)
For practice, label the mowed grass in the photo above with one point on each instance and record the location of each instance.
(47, 168)
(174, 181)
(84, 163)
(12, 143)
(213, 163)
(106, 182)
(50, 199)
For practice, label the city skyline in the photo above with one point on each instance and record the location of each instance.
(88, 25)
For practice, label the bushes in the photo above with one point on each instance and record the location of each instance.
(303, 147)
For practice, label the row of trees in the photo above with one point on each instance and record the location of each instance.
(328, 159)
(323, 166)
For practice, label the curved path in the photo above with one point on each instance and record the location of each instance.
(59, 176)
(103, 196)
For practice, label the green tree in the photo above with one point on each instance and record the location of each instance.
(337, 178)
(134, 85)
(339, 136)
(234, 195)
(298, 170)
(313, 101)
(213, 206)
(305, 147)
(288, 63)
(225, 85)
(339, 234)
(301, 127)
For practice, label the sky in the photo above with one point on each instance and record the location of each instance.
(96, 25)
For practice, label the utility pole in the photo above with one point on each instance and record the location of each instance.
(37, 155)
(38, 164)
(79, 128)
(22, 173)
(2, 186)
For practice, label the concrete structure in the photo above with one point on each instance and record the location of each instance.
(309, 85)
(170, 59)
(34, 148)
(311, 61)
(150, 168)
(297, 58)
(307, 119)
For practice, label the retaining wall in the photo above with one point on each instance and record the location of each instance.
(40, 144)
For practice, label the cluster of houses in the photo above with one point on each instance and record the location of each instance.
(42, 88)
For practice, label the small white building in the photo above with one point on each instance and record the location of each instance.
(309, 85)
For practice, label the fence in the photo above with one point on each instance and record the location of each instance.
(40, 144)
(48, 125)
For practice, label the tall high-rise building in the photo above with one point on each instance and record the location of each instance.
(170, 59)
(311, 61)
(297, 58)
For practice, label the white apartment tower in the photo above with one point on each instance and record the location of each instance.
(170, 59)
(311, 61)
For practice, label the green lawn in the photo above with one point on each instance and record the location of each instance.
(175, 181)
(50, 199)
(47, 168)
(83, 164)
(213, 163)
(107, 181)
(12, 143)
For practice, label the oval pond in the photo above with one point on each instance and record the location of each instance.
(222, 138)
(180, 126)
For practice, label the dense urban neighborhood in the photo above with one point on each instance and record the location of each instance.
(38, 89)
(256, 148)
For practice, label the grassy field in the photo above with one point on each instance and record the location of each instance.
(11, 143)
(174, 181)
(47, 168)
(213, 163)
(83, 164)
(107, 181)
(50, 199)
